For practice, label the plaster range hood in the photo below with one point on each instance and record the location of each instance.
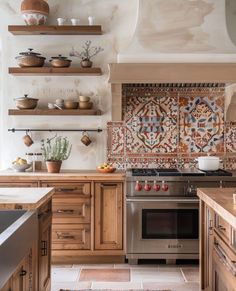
(180, 31)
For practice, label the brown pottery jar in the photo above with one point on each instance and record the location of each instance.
(35, 12)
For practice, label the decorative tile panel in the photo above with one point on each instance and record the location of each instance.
(116, 138)
(230, 138)
(151, 123)
(201, 121)
(168, 125)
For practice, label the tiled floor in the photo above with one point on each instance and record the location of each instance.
(124, 276)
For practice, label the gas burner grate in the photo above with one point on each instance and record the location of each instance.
(144, 172)
(217, 173)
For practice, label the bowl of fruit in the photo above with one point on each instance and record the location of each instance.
(20, 165)
(106, 168)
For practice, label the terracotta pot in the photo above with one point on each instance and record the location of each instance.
(86, 64)
(35, 12)
(53, 166)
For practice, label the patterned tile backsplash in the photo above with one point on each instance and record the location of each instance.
(169, 125)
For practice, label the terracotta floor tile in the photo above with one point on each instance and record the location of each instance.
(94, 266)
(191, 274)
(105, 275)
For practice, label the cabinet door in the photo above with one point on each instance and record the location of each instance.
(44, 279)
(108, 216)
(222, 279)
(207, 216)
(20, 279)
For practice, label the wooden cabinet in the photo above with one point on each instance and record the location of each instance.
(108, 216)
(207, 216)
(217, 253)
(223, 268)
(44, 248)
(21, 280)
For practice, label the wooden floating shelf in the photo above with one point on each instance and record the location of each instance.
(53, 112)
(45, 71)
(55, 29)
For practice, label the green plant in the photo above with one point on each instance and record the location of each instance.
(57, 148)
(88, 51)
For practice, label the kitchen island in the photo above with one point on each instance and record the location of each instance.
(217, 239)
(25, 238)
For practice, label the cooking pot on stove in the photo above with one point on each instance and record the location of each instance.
(208, 163)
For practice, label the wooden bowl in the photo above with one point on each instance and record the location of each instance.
(70, 104)
(106, 171)
(85, 105)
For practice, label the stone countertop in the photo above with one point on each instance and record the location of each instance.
(24, 198)
(221, 201)
(65, 174)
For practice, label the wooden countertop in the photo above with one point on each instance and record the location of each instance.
(24, 198)
(63, 175)
(221, 201)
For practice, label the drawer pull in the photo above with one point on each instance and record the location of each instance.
(221, 228)
(109, 185)
(65, 211)
(65, 236)
(65, 189)
(23, 273)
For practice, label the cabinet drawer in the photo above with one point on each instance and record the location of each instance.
(71, 210)
(71, 237)
(222, 228)
(70, 189)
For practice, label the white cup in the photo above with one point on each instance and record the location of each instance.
(91, 20)
(61, 21)
(74, 21)
(51, 106)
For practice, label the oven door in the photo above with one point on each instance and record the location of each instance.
(164, 226)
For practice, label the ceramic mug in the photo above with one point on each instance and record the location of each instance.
(86, 139)
(91, 20)
(28, 140)
(61, 21)
(74, 21)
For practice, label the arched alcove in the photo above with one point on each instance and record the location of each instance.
(231, 19)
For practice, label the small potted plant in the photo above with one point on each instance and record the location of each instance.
(87, 54)
(55, 150)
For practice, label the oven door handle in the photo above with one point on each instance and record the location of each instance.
(161, 200)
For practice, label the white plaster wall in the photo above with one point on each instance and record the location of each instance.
(118, 21)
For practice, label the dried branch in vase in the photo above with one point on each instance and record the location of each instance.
(87, 53)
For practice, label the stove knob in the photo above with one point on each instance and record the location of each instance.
(164, 186)
(147, 186)
(138, 186)
(156, 187)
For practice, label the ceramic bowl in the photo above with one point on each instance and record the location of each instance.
(85, 105)
(84, 98)
(70, 104)
(21, 168)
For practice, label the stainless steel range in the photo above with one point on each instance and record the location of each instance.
(162, 211)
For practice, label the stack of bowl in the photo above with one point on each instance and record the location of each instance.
(84, 102)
